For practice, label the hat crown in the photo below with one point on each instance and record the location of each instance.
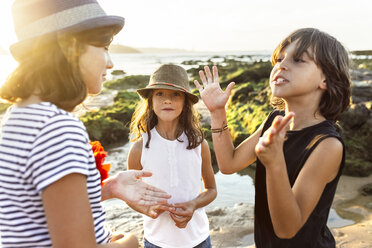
(171, 77)
(39, 18)
(170, 74)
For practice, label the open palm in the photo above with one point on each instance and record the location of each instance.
(211, 93)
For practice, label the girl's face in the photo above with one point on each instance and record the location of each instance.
(296, 77)
(168, 104)
(93, 64)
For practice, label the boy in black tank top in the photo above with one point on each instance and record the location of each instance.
(299, 154)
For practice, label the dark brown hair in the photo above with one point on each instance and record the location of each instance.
(51, 69)
(144, 119)
(332, 58)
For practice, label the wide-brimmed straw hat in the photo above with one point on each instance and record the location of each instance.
(170, 77)
(38, 18)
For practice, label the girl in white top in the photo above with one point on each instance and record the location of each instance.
(170, 144)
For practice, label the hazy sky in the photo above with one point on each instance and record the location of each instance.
(221, 25)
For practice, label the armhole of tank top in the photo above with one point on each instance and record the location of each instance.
(270, 120)
(312, 148)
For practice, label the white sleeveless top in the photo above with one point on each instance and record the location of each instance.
(177, 171)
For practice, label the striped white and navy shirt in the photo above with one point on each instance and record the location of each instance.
(40, 144)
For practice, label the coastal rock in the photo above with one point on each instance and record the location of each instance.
(367, 189)
(361, 93)
(361, 74)
(356, 116)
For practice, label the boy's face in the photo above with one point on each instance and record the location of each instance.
(295, 78)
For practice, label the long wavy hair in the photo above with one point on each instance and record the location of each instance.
(51, 69)
(333, 59)
(144, 119)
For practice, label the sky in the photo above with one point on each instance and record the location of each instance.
(226, 25)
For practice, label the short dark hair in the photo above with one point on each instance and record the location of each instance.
(51, 69)
(333, 59)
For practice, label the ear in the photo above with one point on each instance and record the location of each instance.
(323, 85)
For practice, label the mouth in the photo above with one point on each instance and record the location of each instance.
(167, 109)
(279, 80)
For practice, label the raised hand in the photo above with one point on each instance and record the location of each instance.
(211, 93)
(182, 213)
(127, 186)
(269, 148)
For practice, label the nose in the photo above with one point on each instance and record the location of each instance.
(282, 65)
(167, 98)
(109, 64)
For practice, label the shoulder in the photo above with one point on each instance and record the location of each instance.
(134, 156)
(135, 151)
(204, 145)
(137, 146)
(327, 157)
(330, 145)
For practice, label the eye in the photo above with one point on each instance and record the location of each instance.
(177, 93)
(158, 93)
(278, 60)
(298, 60)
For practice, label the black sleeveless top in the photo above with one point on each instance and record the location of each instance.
(297, 148)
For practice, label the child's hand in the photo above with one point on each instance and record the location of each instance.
(127, 186)
(156, 210)
(182, 213)
(269, 148)
(212, 94)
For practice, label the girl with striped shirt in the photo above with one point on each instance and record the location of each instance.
(50, 188)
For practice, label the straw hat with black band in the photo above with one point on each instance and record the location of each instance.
(170, 77)
(36, 19)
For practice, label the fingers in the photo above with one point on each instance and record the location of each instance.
(141, 173)
(197, 85)
(229, 88)
(180, 221)
(156, 192)
(215, 74)
(151, 198)
(209, 74)
(278, 128)
(203, 78)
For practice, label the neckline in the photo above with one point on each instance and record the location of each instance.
(167, 140)
(32, 105)
(309, 127)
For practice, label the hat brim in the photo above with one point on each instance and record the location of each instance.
(144, 92)
(117, 22)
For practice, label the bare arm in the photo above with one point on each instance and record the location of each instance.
(291, 207)
(69, 216)
(184, 211)
(229, 158)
